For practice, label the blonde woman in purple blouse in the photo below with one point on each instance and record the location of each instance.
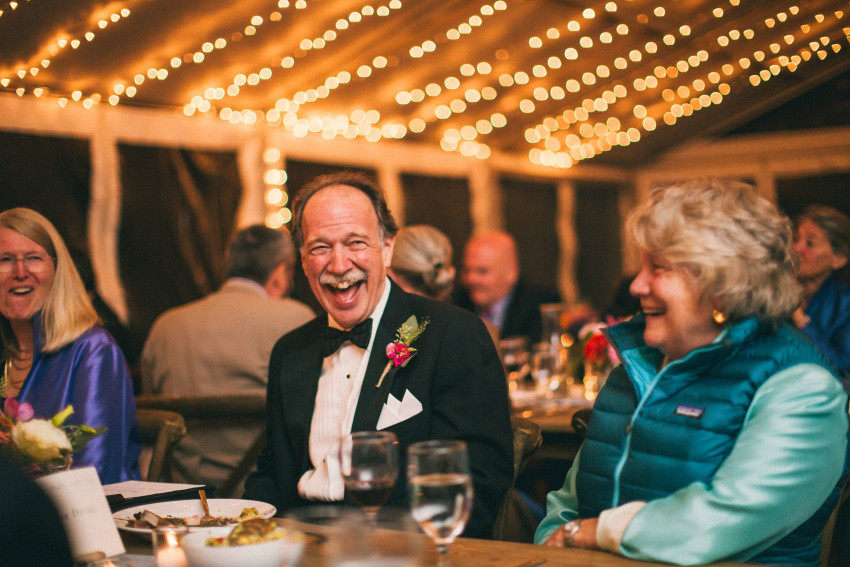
(53, 352)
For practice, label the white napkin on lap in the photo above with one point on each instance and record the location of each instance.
(397, 411)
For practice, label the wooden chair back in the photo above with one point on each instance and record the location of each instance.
(201, 410)
(161, 432)
(835, 539)
(527, 437)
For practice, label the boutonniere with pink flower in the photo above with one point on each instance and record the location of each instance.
(41, 445)
(400, 350)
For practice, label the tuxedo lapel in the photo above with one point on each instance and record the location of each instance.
(371, 398)
(304, 367)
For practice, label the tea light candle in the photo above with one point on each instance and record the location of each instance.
(170, 557)
(167, 550)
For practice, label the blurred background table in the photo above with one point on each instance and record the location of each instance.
(554, 415)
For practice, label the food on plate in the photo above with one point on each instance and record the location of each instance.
(147, 519)
(248, 513)
(254, 530)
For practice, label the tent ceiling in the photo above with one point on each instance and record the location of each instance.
(558, 81)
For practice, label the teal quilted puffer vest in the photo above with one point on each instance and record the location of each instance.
(688, 425)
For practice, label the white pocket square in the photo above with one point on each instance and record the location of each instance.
(397, 411)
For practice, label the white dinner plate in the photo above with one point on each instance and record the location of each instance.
(191, 511)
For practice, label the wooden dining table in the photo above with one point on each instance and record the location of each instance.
(464, 552)
(554, 415)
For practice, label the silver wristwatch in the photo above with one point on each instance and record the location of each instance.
(570, 530)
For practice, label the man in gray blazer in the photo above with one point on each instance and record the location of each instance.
(334, 375)
(220, 344)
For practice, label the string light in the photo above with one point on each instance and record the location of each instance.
(43, 57)
(635, 89)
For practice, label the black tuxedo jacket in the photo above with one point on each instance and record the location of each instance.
(455, 373)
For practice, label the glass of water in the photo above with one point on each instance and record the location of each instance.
(440, 489)
(544, 365)
(515, 357)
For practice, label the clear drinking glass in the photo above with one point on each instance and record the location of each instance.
(369, 464)
(440, 489)
(544, 366)
(515, 357)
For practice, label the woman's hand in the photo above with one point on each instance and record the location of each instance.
(584, 538)
(800, 318)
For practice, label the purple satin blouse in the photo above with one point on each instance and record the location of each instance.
(92, 375)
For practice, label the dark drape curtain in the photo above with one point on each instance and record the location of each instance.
(178, 212)
(597, 225)
(531, 210)
(52, 176)
(298, 173)
(794, 194)
(442, 202)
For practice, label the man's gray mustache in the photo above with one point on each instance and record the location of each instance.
(352, 277)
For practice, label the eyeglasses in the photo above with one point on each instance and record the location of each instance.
(32, 262)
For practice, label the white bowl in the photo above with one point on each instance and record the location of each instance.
(275, 553)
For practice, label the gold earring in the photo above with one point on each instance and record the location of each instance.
(719, 317)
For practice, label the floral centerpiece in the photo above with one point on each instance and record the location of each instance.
(598, 357)
(41, 446)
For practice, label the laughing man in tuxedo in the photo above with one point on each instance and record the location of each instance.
(453, 387)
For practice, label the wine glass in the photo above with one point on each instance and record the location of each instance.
(369, 464)
(515, 357)
(544, 364)
(440, 489)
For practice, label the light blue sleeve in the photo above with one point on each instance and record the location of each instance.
(786, 461)
(561, 506)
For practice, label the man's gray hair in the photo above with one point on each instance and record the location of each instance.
(257, 250)
(386, 223)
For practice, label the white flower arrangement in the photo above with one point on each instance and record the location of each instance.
(41, 445)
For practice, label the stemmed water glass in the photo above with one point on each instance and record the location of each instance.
(440, 489)
(544, 364)
(369, 465)
(515, 357)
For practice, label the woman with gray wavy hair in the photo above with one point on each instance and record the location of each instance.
(722, 436)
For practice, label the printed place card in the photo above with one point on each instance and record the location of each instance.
(79, 498)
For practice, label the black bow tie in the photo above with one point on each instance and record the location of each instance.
(332, 338)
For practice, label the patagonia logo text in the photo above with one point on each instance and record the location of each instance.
(689, 411)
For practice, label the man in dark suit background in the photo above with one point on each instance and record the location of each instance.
(453, 387)
(493, 289)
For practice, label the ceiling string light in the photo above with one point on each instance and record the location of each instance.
(364, 123)
(306, 45)
(676, 102)
(451, 141)
(592, 104)
(10, 7)
(45, 55)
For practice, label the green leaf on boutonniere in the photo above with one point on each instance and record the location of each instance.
(399, 351)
